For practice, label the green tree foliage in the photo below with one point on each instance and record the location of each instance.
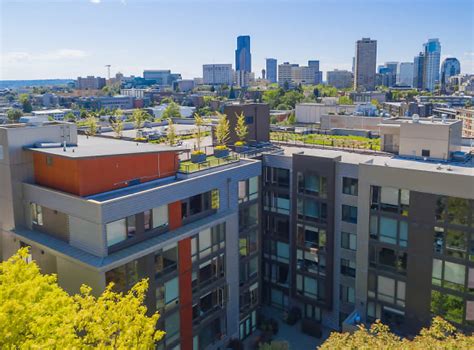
(25, 103)
(344, 100)
(222, 130)
(171, 111)
(70, 117)
(91, 124)
(171, 136)
(166, 100)
(376, 103)
(241, 129)
(116, 123)
(14, 114)
(291, 120)
(281, 99)
(35, 313)
(441, 335)
(139, 116)
(199, 130)
(291, 98)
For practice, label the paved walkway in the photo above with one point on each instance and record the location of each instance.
(292, 334)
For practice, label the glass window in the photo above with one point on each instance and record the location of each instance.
(172, 327)
(171, 291)
(253, 187)
(170, 257)
(348, 267)
(454, 273)
(449, 306)
(349, 214)
(459, 211)
(36, 214)
(116, 232)
(388, 230)
(205, 243)
(283, 251)
(131, 226)
(147, 220)
(160, 216)
(350, 186)
(348, 240)
(389, 196)
(386, 289)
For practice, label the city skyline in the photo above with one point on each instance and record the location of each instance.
(85, 50)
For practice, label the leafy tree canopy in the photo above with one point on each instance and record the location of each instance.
(441, 335)
(35, 313)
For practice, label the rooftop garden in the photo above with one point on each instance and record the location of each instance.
(187, 166)
(349, 141)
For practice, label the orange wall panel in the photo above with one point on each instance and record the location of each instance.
(87, 176)
(59, 173)
(174, 215)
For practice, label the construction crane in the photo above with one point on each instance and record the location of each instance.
(108, 71)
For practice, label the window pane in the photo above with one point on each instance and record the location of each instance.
(386, 288)
(171, 290)
(116, 232)
(253, 185)
(454, 273)
(160, 216)
(388, 230)
(389, 196)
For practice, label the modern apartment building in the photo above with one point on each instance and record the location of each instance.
(340, 235)
(217, 74)
(97, 210)
(467, 117)
(418, 63)
(340, 79)
(450, 68)
(271, 64)
(365, 63)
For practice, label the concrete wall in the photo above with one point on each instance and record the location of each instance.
(312, 112)
(350, 122)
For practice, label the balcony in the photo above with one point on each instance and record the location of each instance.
(188, 167)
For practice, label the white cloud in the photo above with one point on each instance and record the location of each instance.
(56, 55)
(95, 1)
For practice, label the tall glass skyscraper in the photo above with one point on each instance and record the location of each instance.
(418, 63)
(449, 68)
(431, 65)
(272, 70)
(243, 58)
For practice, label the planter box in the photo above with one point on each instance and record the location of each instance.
(221, 153)
(241, 149)
(198, 158)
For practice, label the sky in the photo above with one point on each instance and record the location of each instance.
(50, 39)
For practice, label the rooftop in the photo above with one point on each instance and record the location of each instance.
(100, 147)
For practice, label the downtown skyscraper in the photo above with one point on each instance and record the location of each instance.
(243, 58)
(271, 64)
(365, 64)
(432, 50)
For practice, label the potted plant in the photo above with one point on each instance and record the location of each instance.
(241, 131)
(222, 137)
(198, 156)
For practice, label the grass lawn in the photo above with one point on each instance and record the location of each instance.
(211, 161)
(329, 140)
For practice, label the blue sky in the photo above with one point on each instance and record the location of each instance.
(70, 38)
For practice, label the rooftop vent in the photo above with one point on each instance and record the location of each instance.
(415, 118)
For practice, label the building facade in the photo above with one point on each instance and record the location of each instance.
(418, 64)
(405, 74)
(90, 83)
(450, 68)
(271, 71)
(365, 63)
(294, 74)
(217, 74)
(243, 57)
(432, 56)
(340, 79)
(161, 76)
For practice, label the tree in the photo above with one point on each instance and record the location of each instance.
(241, 129)
(231, 93)
(291, 120)
(116, 122)
(171, 134)
(70, 117)
(375, 102)
(199, 132)
(139, 116)
(222, 130)
(291, 98)
(35, 312)
(14, 115)
(441, 335)
(91, 124)
(25, 102)
(344, 100)
(171, 111)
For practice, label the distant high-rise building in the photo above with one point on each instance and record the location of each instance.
(365, 64)
(90, 83)
(387, 74)
(449, 68)
(340, 79)
(161, 76)
(263, 74)
(418, 64)
(405, 74)
(243, 58)
(271, 70)
(295, 74)
(217, 74)
(431, 64)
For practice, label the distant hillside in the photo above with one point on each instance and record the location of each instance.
(15, 84)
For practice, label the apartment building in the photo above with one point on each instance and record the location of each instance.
(343, 236)
(97, 210)
(217, 74)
